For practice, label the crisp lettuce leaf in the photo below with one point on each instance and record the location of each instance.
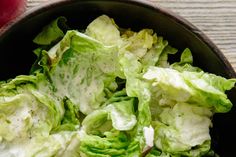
(113, 144)
(30, 114)
(52, 33)
(182, 104)
(153, 54)
(26, 109)
(200, 88)
(186, 61)
(135, 87)
(122, 114)
(97, 122)
(139, 43)
(72, 149)
(104, 30)
(70, 120)
(118, 115)
(81, 69)
(44, 146)
(157, 153)
(182, 128)
(186, 57)
(163, 59)
(33, 117)
(25, 117)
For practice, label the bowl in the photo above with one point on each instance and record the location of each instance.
(16, 45)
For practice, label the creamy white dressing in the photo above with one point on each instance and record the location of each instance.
(149, 135)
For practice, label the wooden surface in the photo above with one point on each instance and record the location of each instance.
(216, 18)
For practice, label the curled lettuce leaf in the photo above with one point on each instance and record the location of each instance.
(81, 69)
(139, 43)
(154, 53)
(104, 30)
(183, 128)
(186, 61)
(122, 114)
(163, 59)
(135, 87)
(200, 88)
(112, 144)
(52, 33)
(118, 115)
(53, 145)
(30, 116)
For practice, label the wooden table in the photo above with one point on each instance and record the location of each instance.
(216, 18)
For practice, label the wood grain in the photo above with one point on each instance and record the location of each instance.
(216, 18)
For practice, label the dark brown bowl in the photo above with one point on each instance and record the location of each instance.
(16, 45)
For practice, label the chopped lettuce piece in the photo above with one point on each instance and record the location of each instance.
(30, 114)
(186, 61)
(52, 33)
(97, 122)
(135, 87)
(111, 145)
(52, 145)
(200, 88)
(25, 111)
(122, 114)
(163, 59)
(182, 128)
(81, 69)
(117, 115)
(139, 43)
(104, 30)
(153, 55)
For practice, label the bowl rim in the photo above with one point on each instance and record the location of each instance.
(143, 3)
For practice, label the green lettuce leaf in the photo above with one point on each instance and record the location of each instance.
(136, 87)
(186, 61)
(70, 120)
(122, 114)
(97, 122)
(118, 115)
(163, 59)
(82, 69)
(139, 43)
(201, 88)
(104, 30)
(112, 144)
(24, 107)
(60, 144)
(52, 33)
(182, 129)
(30, 117)
(157, 153)
(153, 55)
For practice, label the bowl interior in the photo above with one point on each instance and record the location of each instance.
(16, 45)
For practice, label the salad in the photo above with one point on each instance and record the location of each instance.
(109, 92)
